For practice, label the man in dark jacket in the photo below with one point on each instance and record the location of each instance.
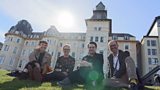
(64, 66)
(122, 70)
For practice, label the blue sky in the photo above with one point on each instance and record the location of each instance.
(128, 16)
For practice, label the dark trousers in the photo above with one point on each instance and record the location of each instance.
(54, 76)
(86, 77)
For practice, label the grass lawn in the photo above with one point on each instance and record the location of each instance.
(11, 83)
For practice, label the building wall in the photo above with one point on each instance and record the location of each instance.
(129, 46)
(11, 51)
(150, 54)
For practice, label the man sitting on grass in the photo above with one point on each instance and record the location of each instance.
(64, 66)
(39, 62)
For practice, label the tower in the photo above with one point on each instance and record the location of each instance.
(14, 41)
(98, 30)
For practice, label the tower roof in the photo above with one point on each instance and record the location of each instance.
(22, 26)
(100, 13)
(100, 6)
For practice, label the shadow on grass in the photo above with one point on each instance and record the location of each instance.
(17, 84)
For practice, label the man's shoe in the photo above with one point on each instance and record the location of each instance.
(133, 86)
(37, 74)
(30, 72)
(64, 82)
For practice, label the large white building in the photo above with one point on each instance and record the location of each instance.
(20, 41)
(150, 49)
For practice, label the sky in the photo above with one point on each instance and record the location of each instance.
(128, 16)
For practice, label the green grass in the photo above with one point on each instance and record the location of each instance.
(12, 83)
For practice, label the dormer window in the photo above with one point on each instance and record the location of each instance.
(114, 37)
(126, 37)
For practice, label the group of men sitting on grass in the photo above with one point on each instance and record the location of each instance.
(121, 67)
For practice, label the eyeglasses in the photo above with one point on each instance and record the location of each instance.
(66, 49)
(113, 45)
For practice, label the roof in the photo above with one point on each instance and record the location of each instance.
(121, 34)
(100, 12)
(100, 6)
(156, 18)
(22, 26)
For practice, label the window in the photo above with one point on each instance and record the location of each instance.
(11, 39)
(114, 37)
(18, 40)
(126, 37)
(24, 51)
(99, 29)
(126, 47)
(91, 39)
(48, 40)
(154, 51)
(95, 28)
(96, 39)
(15, 50)
(149, 61)
(61, 44)
(155, 60)
(101, 51)
(82, 45)
(11, 62)
(102, 39)
(6, 48)
(152, 61)
(20, 64)
(59, 53)
(73, 54)
(148, 42)
(52, 53)
(29, 51)
(153, 42)
(26, 43)
(2, 59)
(149, 51)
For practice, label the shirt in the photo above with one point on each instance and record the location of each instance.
(116, 60)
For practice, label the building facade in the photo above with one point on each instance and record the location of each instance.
(20, 41)
(150, 47)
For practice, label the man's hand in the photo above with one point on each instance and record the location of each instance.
(59, 70)
(85, 64)
(65, 73)
(38, 47)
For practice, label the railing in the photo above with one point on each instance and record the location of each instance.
(149, 76)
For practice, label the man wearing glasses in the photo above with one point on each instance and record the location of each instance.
(64, 66)
(122, 70)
